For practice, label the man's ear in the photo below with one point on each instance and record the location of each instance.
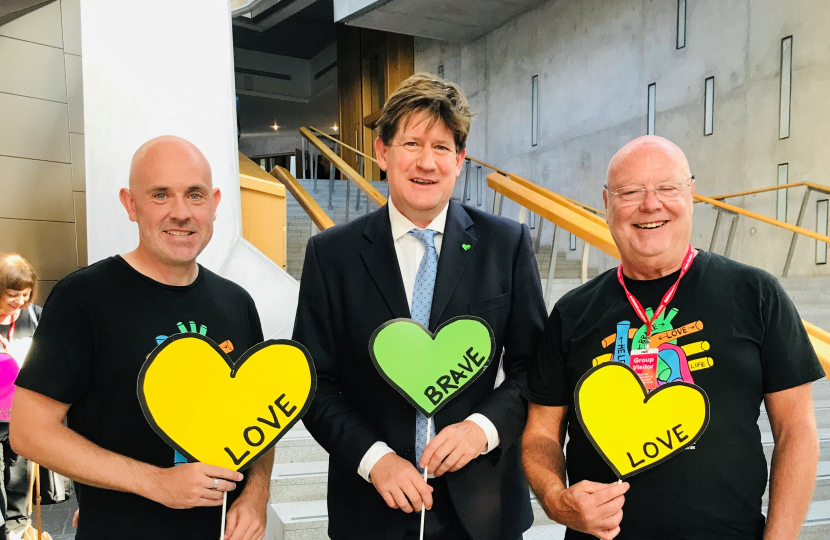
(459, 161)
(126, 197)
(380, 153)
(217, 196)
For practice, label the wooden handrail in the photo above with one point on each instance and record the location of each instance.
(561, 199)
(817, 187)
(755, 191)
(504, 173)
(562, 215)
(307, 202)
(368, 189)
(341, 143)
(765, 219)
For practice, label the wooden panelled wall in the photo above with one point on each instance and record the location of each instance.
(357, 50)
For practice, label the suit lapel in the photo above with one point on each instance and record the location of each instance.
(453, 260)
(382, 263)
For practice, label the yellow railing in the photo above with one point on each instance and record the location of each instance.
(569, 218)
(780, 224)
(305, 200)
(345, 169)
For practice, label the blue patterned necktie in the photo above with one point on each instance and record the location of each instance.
(421, 309)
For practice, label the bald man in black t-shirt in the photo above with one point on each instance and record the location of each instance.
(97, 329)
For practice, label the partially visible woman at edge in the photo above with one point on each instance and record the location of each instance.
(18, 320)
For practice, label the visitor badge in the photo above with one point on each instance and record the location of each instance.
(644, 364)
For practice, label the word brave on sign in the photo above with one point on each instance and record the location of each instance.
(430, 369)
(472, 359)
(242, 419)
(634, 429)
(259, 437)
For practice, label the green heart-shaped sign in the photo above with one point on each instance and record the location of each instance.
(429, 370)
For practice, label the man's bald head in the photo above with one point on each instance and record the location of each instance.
(642, 155)
(164, 153)
(172, 198)
(649, 206)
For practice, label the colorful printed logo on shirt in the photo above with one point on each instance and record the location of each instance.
(676, 362)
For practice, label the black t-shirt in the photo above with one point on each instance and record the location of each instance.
(742, 338)
(98, 326)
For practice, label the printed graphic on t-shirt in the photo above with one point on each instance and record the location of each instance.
(674, 362)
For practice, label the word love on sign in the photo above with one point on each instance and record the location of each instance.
(429, 370)
(632, 429)
(215, 411)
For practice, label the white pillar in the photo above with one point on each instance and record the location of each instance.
(153, 68)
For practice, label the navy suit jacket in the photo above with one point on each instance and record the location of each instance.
(351, 284)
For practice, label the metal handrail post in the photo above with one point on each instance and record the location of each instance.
(357, 199)
(586, 247)
(801, 212)
(551, 270)
(733, 228)
(302, 158)
(479, 189)
(539, 235)
(466, 180)
(715, 230)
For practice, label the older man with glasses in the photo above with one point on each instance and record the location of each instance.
(742, 342)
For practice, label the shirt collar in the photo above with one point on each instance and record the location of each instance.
(401, 224)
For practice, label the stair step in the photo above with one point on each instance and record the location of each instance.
(306, 520)
(298, 446)
(554, 531)
(302, 481)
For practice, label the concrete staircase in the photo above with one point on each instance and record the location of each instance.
(298, 485)
(300, 226)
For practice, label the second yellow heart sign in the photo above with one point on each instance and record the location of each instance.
(215, 411)
(633, 429)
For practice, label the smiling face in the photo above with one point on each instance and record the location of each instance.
(421, 165)
(172, 199)
(653, 233)
(12, 301)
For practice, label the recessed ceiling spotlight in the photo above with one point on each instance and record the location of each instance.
(275, 126)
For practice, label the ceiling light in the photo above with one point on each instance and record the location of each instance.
(334, 127)
(275, 126)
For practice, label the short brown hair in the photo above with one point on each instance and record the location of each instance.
(440, 100)
(17, 274)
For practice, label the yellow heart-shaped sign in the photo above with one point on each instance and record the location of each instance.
(632, 429)
(214, 411)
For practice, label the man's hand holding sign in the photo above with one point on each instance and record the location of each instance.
(256, 401)
(429, 370)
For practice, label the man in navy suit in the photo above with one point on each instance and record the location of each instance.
(421, 256)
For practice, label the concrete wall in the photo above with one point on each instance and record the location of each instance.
(595, 60)
(42, 180)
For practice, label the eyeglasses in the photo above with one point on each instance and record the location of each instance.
(667, 191)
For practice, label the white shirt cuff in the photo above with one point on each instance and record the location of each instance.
(489, 430)
(372, 456)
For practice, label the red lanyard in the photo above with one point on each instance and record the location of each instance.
(687, 262)
(6, 342)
